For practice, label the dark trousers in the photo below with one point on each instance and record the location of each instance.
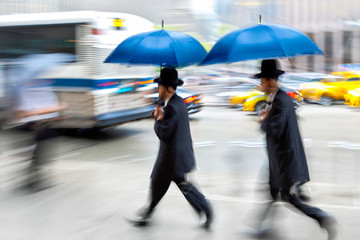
(192, 194)
(41, 133)
(285, 195)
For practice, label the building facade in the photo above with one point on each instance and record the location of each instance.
(327, 22)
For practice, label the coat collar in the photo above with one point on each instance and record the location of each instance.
(272, 95)
(168, 100)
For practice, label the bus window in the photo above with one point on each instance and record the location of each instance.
(22, 40)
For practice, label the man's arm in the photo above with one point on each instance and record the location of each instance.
(165, 127)
(275, 121)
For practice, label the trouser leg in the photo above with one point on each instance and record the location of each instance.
(313, 212)
(196, 199)
(35, 167)
(40, 155)
(266, 210)
(157, 192)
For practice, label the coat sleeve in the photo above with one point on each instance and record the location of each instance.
(165, 128)
(275, 123)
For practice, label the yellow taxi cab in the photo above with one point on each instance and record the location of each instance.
(330, 89)
(352, 98)
(257, 103)
(238, 99)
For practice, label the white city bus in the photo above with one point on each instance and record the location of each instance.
(98, 94)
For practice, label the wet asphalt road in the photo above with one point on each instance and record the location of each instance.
(103, 177)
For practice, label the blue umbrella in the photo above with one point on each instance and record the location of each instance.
(161, 48)
(262, 41)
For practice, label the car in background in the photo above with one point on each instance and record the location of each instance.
(192, 100)
(330, 89)
(352, 98)
(242, 86)
(238, 99)
(235, 95)
(255, 103)
(258, 102)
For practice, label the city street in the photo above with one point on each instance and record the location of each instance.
(101, 178)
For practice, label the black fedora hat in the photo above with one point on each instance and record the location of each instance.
(169, 77)
(269, 69)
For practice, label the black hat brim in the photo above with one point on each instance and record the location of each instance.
(179, 82)
(269, 75)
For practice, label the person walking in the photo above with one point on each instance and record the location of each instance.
(35, 109)
(287, 161)
(176, 156)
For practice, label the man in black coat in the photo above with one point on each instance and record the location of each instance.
(287, 162)
(176, 155)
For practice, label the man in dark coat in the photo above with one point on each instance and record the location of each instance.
(287, 162)
(176, 155)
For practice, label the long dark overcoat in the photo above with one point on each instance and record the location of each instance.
(287, 161)
(176, 155)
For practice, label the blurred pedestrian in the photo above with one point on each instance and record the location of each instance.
(36, 117)
(287, 162)
(176, 156)
(35, 109)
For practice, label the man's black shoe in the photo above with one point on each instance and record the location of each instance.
(330, 225)
(142, 218)
(33, 187)
(209, 221)
(139, 221)
(258, 234)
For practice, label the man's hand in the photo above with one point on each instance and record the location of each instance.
(158, 113)
(263, 114)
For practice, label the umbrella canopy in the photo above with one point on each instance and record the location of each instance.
(161, 48)
(262, 41)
